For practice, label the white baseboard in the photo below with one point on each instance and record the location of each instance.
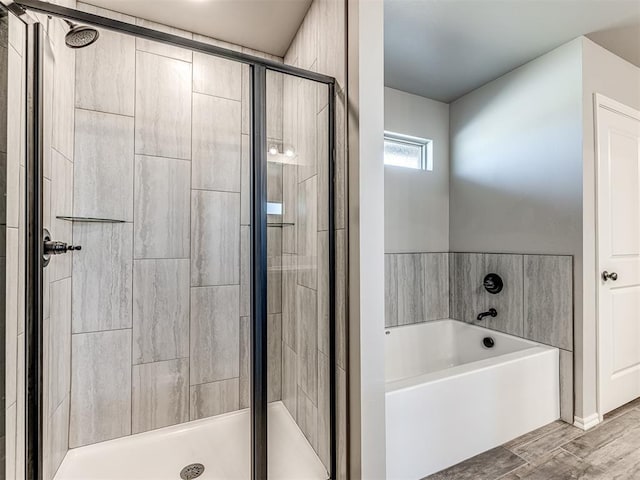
(586, 423)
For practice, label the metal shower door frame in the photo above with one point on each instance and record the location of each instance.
(34, 224)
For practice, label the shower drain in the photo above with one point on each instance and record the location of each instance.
(191, 471)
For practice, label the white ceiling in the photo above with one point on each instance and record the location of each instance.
(443, 49)
(265, 25)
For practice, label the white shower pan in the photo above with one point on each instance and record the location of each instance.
(221, 444)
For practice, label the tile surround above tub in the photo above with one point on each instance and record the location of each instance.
(535, 303)
(548, 300)
(416, 287)
(469, 298)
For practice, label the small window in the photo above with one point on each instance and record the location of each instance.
(408, 152)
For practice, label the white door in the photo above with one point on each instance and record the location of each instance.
(618, 154)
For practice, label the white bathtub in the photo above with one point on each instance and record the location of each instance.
(448, 397)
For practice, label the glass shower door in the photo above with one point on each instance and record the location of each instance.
(146, 325)
(299, 266)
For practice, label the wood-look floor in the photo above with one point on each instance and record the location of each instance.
(559, 451)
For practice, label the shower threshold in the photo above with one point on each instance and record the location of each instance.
(220, 443)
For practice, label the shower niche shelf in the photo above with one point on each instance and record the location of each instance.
(89, 219)
(279, 225)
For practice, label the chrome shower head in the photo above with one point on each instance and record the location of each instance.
(80, 36)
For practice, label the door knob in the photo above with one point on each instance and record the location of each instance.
(606, 276)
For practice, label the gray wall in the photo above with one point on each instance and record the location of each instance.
(416, 203)
(516, 160)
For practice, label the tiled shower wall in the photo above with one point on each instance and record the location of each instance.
(161, 300)
(12, 242)
(319, 45)
(4, 63)
(125, 268)
(536, 302)
(57, 170)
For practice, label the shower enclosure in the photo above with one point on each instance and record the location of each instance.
(180, 254)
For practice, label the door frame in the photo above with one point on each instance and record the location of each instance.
(258, 138)
(602, 101)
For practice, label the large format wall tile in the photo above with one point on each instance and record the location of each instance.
(103, 176)
(162, 205)
(436, 284)
(214, 398)
(160, 394)
(274, 357)
(245, 366)
(217, 76)
(467, 272)
(274, 270)
(13, 139)
(307, 117)
(245, 271)
(324, 306)
(163, 106)
(217, 144)
(341, 304)
(322, 153)
(160, 310)
(158, 48)
(411, 289)
(509, 302)
(215, 332)
(102, 276)
(105, 73)
(101, 387)
(56, 438)
(275, 81)
(215, 238)
(308, 418)
(324, 412)
(416, 288)
(289, 284)
(59, 341)
(245, 181)
(307, 328)
(290, 379)
(63, 87)
(61, 204)
(548, 300)
(307, 227)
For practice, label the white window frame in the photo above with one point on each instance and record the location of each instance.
(426, 148)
